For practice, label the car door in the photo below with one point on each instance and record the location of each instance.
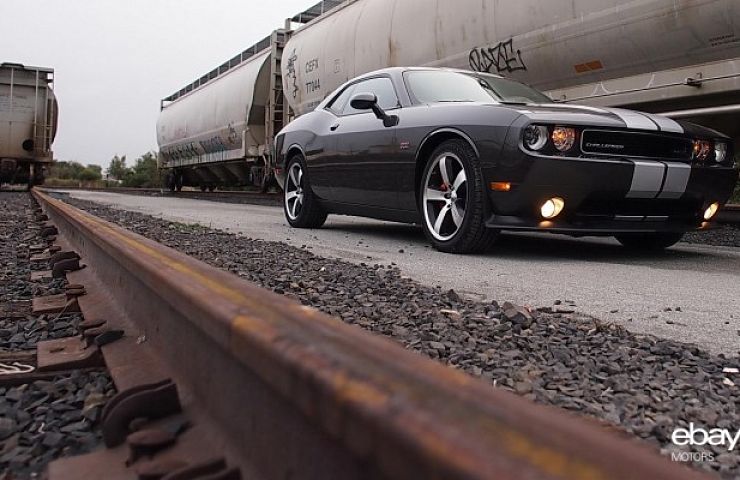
(322, 158)
(363, 161)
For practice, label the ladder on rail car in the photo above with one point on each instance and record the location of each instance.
(43, 122)
(277, 112)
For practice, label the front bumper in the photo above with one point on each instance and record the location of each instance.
(608, 196)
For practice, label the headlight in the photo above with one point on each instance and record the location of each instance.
(701, 150)
(535, 137)
(720, 152)
(563, 138)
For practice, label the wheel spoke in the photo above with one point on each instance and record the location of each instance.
(294, 208)
(300, 176)
(433, 195)
(459, 180)
(440, 219)
(291, 195)
(293, 177)
(457, 217)
(443, 170)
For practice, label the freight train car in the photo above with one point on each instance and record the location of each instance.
(28, 123)
(680, 57)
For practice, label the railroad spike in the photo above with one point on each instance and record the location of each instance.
(59, 256)
(48, 232)
(92, 323)
(157, 469)
(62, 267)
(147, 443)
(152, 401)
(198, 470)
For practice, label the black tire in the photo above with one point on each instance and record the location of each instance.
(649, 241)
(303, 211)
(471, 235)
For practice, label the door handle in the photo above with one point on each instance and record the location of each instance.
(334, 127)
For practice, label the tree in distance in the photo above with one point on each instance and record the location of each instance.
(144, 172)
(117, 169)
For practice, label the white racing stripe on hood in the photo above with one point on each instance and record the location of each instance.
(583, 108)
(634, 120)
(666, 124)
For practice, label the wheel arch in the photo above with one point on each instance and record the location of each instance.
(294, 149)
(430, 143)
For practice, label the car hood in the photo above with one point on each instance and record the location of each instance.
(610, 117)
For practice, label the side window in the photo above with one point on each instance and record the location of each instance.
(382, 88)
(338, 104)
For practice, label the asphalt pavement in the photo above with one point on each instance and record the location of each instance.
(690, 293)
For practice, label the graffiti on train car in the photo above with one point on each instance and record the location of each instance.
(497, 59)
(291, 73)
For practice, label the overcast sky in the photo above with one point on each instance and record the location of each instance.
(114, 60)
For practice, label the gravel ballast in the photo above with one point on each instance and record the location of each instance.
(42, 420)
(644, 385)
(722, 235)
(49, 419)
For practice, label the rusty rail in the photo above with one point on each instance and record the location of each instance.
(293, 393)
(729, 214)
(267, 198)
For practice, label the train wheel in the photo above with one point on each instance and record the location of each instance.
(203, 188)
(267, 181)
(302, 209)
(31, 176)
(170, 182)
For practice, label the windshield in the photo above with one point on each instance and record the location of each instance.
(434, 86)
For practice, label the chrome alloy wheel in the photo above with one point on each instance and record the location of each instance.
(294, 191)
(445, 196)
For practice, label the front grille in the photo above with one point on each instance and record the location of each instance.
(636, 144)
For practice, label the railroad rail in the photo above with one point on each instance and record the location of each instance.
(280, 390)
(729, 214)
(240, 195)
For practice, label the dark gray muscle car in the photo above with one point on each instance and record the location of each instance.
(467, 155)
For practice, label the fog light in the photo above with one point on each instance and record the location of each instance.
(552, 208)
(711, 211)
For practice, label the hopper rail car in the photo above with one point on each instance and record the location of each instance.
(680, 60)
(28, 123)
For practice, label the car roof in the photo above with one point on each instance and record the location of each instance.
(396, 70)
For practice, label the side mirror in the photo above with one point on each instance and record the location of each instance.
(368, 101)
(364, 101)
